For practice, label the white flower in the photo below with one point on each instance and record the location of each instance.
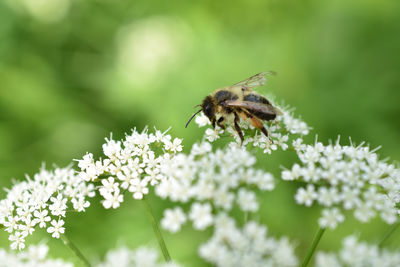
(295, 126)
(42, 217)
(18, 240)
(323, 259)
(173, 219)
(284, 253)
(215, 178)
(59, 205)
(57, 228)
(145, 257)
(212, 134)
(174, 146)
(349, 177)
(140, 257)
(247, 200)
(11, 223)
(350, 197)
(28, 227)
(133, 164)
(108, 187)
(281, 141)
(201, 216)
(202, 120)
(138, 188)
(35, 255)
(306, 196)
(224, 199)
(200, 149)
(358, 254)
(328, 196)
(86, 162)
(330, 218)
(112, 149)
(250, 246)
(294, 174)
(123, 256)
(80, 204)
(298, 144)
(42, 198)
(364, 213)
(161, 136)
(153, 176)
(113, 200)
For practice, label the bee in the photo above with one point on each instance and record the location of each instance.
(240, 102)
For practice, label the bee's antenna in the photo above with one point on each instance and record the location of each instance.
(191, 118)
(199, 105)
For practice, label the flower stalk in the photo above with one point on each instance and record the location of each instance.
(388, 234)
(314, 244)
(75, 249)
(157, 231)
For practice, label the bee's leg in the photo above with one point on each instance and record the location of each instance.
(219, 123)
(256, 123)
(237, 128)
(213, 123)
(265, 132)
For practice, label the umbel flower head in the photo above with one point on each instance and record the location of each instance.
(249, 246)
(212, 182)
(345, 178)
(140, 257)
(358, 254)
(132, 164)
(37, 255)
(34, 256)
(284, 128)
(42, 201)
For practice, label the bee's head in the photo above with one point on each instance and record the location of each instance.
(208, 108)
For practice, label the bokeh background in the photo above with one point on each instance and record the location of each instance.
(72, 71)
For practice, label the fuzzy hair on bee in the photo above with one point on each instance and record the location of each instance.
(240, 101)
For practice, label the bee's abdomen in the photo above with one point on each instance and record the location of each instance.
(259, 99)
(263, 116)
(224, 95)
(256, 98)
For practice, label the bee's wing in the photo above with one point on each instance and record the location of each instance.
(255, 80)
(254, 106)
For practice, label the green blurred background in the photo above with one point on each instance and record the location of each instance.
(72, 71)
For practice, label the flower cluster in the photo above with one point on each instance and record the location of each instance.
(131, 164)
(250, 246)
(213, 181)
(140, 257)
(348, 177)
(358, 254)
(43, 201)
(37, 255)
(281, 130)
(34, 256)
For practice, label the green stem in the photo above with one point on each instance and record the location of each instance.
(157, 231)
(314, 244)
(75, 249)
(388, 234)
